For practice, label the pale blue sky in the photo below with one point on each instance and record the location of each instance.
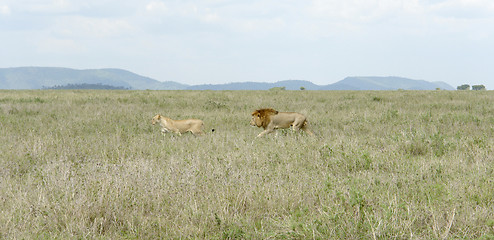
(221, 41)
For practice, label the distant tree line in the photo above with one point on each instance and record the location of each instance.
(87, 86)
(474, 87)
(277, 89)
(283, 88)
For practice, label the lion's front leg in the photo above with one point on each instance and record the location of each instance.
(164, 131)
(265, 132)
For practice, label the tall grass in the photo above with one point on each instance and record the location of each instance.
(384, 164)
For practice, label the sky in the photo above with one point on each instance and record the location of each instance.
(223, 41)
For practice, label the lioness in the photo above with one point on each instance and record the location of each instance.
(271, 119)
(179, 126)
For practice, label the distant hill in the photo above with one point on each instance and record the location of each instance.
(349, 83)
(47, 77)
(385, 83)
(51, 77)
(288, 84)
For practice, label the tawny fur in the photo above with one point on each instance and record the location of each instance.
(270, 119)
(194, 126)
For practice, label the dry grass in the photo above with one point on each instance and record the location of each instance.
(391, 164)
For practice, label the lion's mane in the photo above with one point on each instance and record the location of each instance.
(264, 115)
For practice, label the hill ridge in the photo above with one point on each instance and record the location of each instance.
(47, 77)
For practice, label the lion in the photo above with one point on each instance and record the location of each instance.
(270, 119)
(194, 126)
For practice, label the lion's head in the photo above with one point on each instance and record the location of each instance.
(156, 119)
(262, 117)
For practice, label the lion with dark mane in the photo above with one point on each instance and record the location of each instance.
(270, 119)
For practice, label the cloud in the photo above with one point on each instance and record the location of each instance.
(45, 7)
(156, 7)
(51, 45)
(258, 26)
(4, 10)
(370, 10)
(463, 9)
(210, 16)
(55, 8)
(355, 10)
(86, 27)
(328, 18)
(233, 17)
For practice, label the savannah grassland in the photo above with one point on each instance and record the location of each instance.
(384, 165)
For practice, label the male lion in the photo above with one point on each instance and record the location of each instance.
(271, 119)
(179, 126)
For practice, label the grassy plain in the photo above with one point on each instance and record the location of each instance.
(384, 165)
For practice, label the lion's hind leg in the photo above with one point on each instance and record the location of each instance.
(297, 125)
(197, 132)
